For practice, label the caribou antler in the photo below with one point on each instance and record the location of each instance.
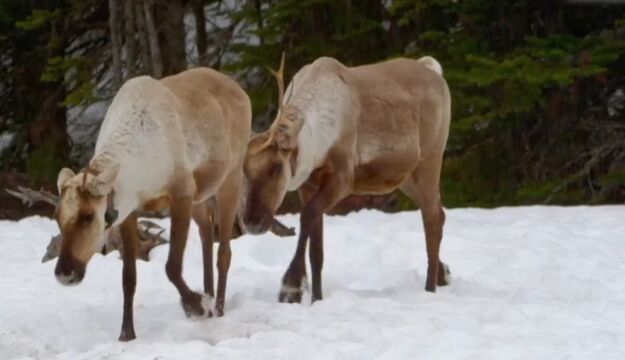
(30, 196)
(279, 75)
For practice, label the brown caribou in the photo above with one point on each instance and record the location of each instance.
(175, 142)
(342, 130)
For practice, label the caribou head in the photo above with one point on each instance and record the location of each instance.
(83, 214)
(270, 163)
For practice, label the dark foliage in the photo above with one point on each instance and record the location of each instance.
(538, 87)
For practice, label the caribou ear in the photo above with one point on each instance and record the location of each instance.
(258, 142)
(288, 129)
(285, 140)
(64, 175)
(102, 184)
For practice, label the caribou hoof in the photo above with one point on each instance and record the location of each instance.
(290, 294)
(315, 298)
(293, 286)
(444, 275)
(197, 305)
(219, 311)
(127, 335)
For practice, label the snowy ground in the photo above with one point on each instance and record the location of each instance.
(528, 283)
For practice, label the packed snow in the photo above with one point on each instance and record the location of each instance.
(527, 283)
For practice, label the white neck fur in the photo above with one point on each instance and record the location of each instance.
(322, 100)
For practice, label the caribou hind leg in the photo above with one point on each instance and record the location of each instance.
(130, 243)
(423, 188)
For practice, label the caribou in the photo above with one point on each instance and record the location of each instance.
(172, 143)
(343, 130)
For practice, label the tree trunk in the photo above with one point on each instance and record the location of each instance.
(130, 38)
(259, 20)
(170, 15)
(115, 43)
(144, 44)
(376, 40)
(201, 37)
(48, 140)
(155, 48)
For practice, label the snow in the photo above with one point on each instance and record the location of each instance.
(6, 140)
(616, 103)
(528, 283)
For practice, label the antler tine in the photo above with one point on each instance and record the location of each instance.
(279, 75)
(84, 176)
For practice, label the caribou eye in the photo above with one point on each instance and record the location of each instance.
(85, 219)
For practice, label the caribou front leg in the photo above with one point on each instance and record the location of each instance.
(205, 221)
(227, 202)
(130, 243)
(331, 191)
(315, 251)
(194, 304)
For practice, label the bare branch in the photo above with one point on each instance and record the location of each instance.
(149, 240)
(30, 196)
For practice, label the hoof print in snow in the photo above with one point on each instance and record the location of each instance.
(444, 275)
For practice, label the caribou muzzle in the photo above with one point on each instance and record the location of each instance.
(69, 271)
(257, 222)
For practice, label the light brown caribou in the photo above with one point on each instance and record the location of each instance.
(342, 130)
(175, 142)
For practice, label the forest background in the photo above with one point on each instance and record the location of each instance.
(538, 87)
